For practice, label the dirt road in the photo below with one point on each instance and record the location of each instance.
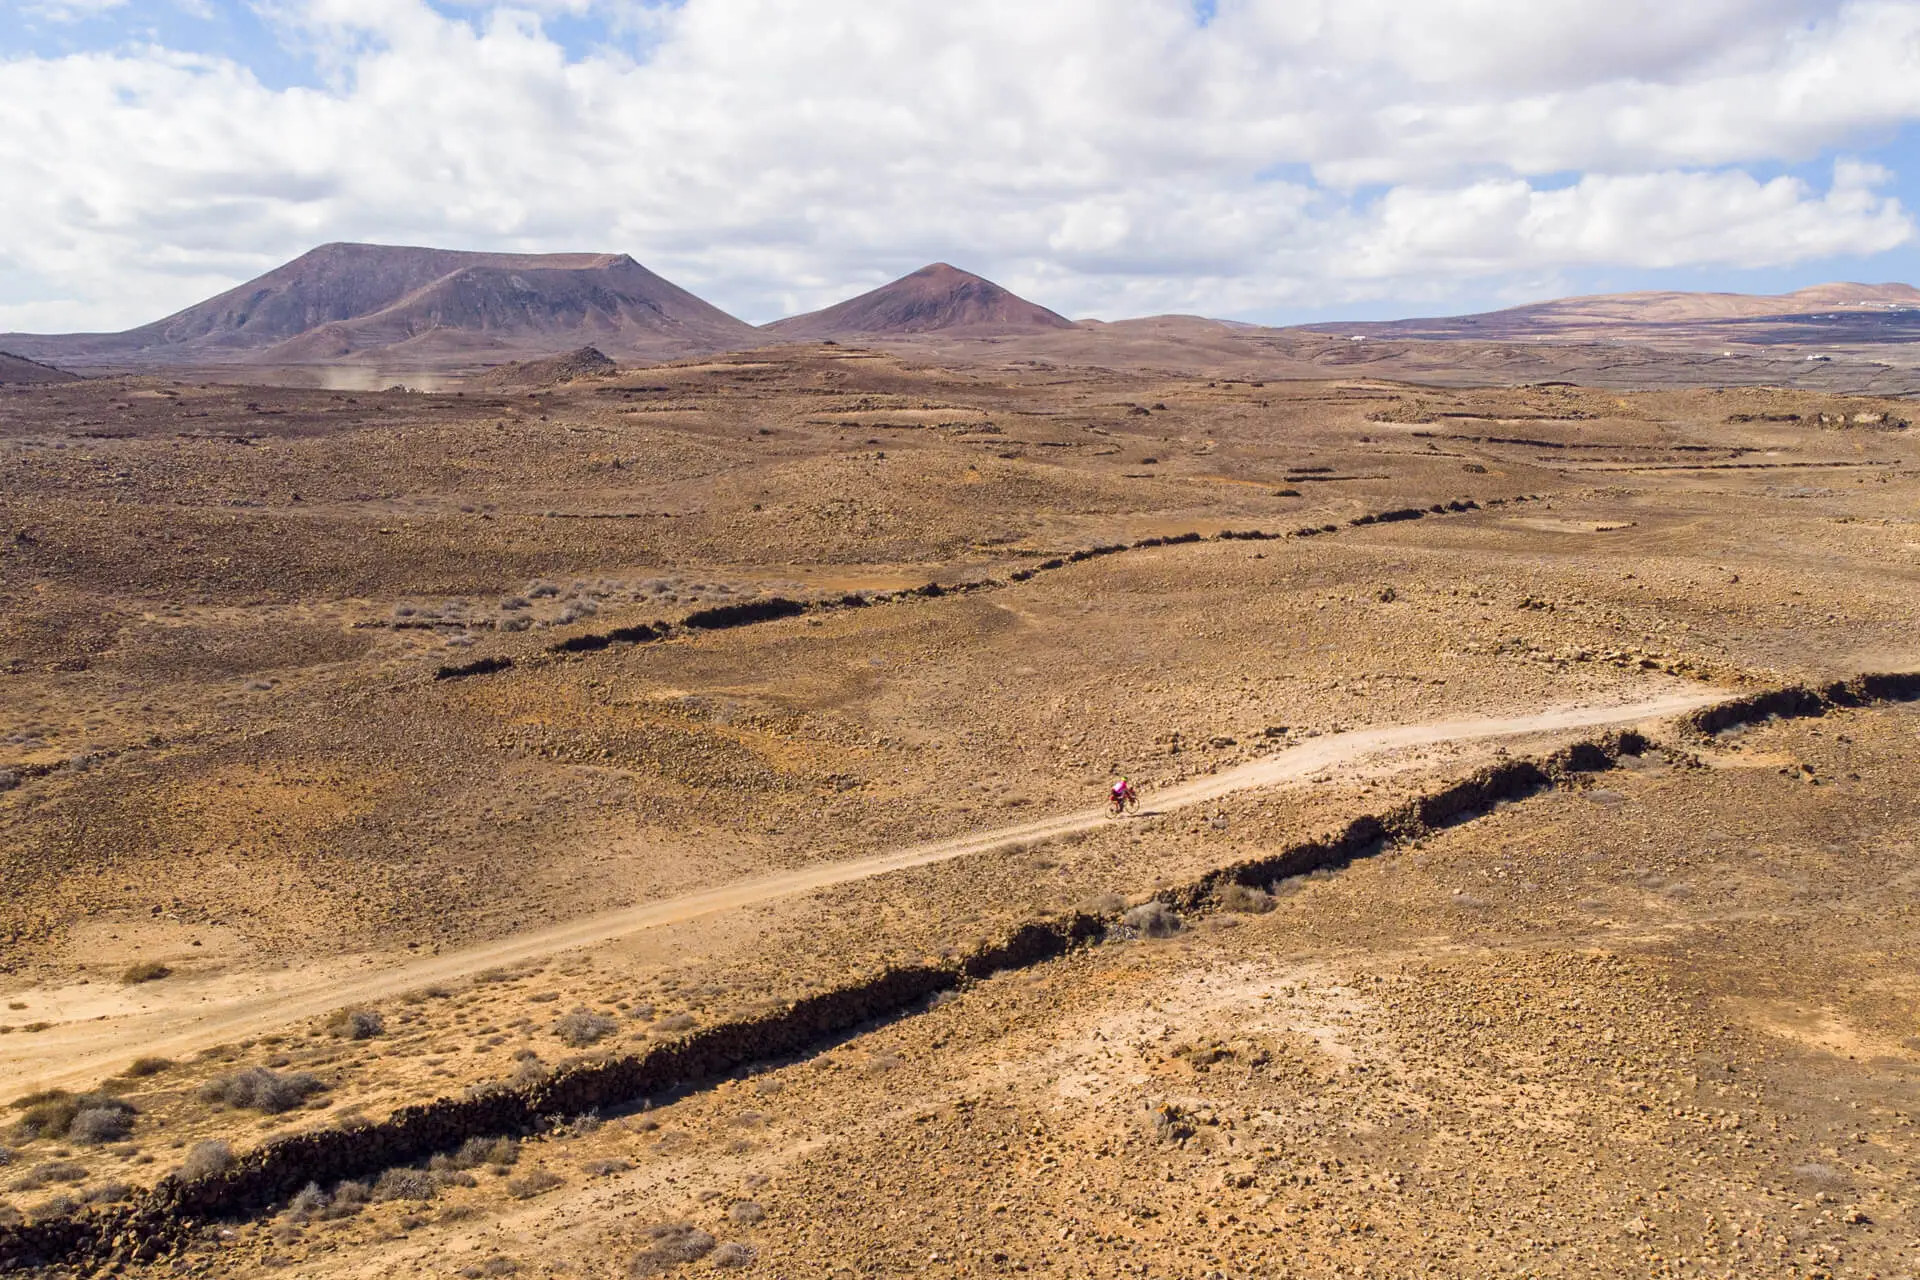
(98, 1029)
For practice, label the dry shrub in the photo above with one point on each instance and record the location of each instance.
(58, 1206)
(144, 1067)
(10, 1216)
(144, 971)
(50, 1171)
(673, 1024)
(745, 1213)
(309, 1203)
(1104, 904)
(101, 1120)
(1152, 920)
(48, 1117)
(474, 1152)
(355, 1024)
(259, 1089)
(1245, 899)
(583, 1027)
(205, 1160)
(406, 1184)
(734, 1254)
(532, 1183)
(494, 1266)
(606, 1168)
(92, 1118)
(674, 1243)
(110, 1193)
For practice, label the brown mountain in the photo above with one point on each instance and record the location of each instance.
(380, 303)
(17, 369)
(935, 299)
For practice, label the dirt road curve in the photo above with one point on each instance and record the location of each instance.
(100, 1029)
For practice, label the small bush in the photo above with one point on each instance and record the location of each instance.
(673, 1243)
(582, 1028)
(259, 1089)
(673, 1024)
(48, 1119)
(109, 1193)
(532, 1183)
(1152, 920)
(9, 1216)
(50, 1171)
(744, 1213)
(6, 1157)
(495, 1266)
(206, 1160)
(475, 1152)
(348, 1199)
(1245, 899)
(108, 1122)
(144, 1067)
(1104, 904)
(308, 1203)
(734, 1254)
(58, 1206)
(406, 1184)
(605, 1168)
(144, 971)
(356, 1024)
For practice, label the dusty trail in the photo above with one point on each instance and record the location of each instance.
(101, 1030)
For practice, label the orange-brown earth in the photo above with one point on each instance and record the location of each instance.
(224, 609)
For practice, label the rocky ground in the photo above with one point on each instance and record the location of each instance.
(1660, 1024)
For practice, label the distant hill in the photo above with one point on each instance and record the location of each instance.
(587, 362)
(17, 369)
(377, 303)
(935, 299)
(1828, 313)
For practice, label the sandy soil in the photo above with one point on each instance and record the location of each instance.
(225, 752)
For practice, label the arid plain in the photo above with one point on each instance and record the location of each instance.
(366, 748)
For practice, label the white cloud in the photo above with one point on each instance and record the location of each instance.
(68, 10)
(1111, 156)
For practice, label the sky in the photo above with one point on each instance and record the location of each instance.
(1269, 160)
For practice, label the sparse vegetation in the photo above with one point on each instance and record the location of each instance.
(734, 1254)
(474, 1152)
(262, 1089)
(101, 1120)
(50, 1171)
(46, 1115)
(532, 1183)
(309, 1203)
(144, 971)
(673, 1244)
(745, 1213)
(56, 1206)
(141, 1068)
(205, 1160)
(1152, 920)
(1245, 900)
(583, 1027)
(406, 1184)
(356, 1024)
